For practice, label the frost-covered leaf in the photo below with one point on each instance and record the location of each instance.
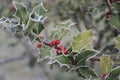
(21, 13)
(87, 73)
(114, 73)
(115, 20)
(67, 24)
(53, 33)
(62, 61)
(82, 40)
(117, 42)
(37, 17)
(60, 33)
(31, 37)
(12, 25)
(83, 56)
(106, 63)
(38, 28)
(63, 32)
(39, 13)
(44, 53)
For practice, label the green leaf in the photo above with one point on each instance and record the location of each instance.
(87, 72)
(67, 24)
(60, 33)
(21, 13)
(38, 28)
(117, 42)
(62, 61)
(114, 73)
(82, 40)
(116, 6)
(31, 37)
(37, 17)
(83, 56)
(106, 63)
(44, 53)
(115, 20)
(53, 33)
(39, 13)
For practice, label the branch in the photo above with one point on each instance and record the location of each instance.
(12, 59)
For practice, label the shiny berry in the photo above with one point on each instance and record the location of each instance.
(61, 47)
(58, 52)
(105, 75)
(40, 36)
(53, 42)
(74, 62)
(57, 42)
(108, 14)
(65, 51)
(39, 45)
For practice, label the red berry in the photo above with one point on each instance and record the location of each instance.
(61, 47)
(105, 75)
(57, 41)
(53, 42)
(65, 51)
(107, 14)
(58, 52)
(39, 45)
(74, 62)
(40, 36)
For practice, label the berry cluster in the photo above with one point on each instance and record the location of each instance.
(54, 43)
(60, 48)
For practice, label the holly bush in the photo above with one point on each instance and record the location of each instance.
(67, 44)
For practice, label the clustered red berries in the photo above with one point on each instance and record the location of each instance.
(60, 48)
(39, 45)
(55, 42)
(105, 75)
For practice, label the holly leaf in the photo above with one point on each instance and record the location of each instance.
(38, 28)
(44, 53)
(67, 24)
(117, 42)
(62, 61)
(116, 6)
(37, 17)
(114, 73)
(115, 20)
(106, 63)
(60, 33)
(21, 13)
(82, 40)
(53, 33)
(87, 72)
(83, 56)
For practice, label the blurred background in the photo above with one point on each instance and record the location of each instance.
(14, 65)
